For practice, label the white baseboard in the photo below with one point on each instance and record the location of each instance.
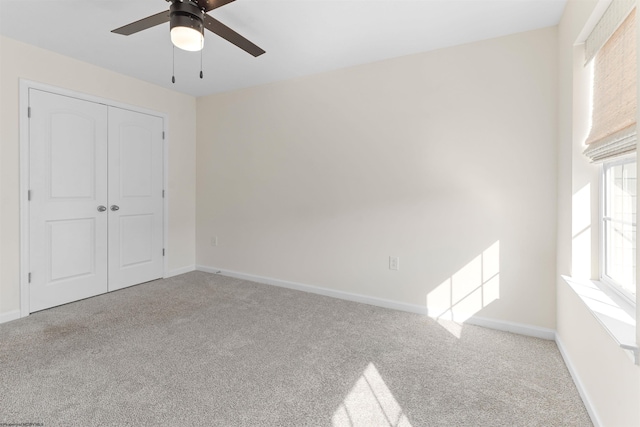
(516, 328)
(9, 316)
(317, 290)
(500, 325)
(179, 271)
(576, 379)
(207, 269)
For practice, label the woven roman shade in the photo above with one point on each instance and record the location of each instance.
(608, 23)
(613, 127)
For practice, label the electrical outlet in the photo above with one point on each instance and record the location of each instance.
(214, 241)
(394, 263)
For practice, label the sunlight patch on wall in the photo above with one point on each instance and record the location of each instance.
(370, 403)
(581, 233)
(469, 290)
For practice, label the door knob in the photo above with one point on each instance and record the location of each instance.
(102, 208)
(115, 207)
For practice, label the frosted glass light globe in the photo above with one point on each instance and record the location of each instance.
(187, 38)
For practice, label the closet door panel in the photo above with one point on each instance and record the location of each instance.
(135, 198)
(68, 184)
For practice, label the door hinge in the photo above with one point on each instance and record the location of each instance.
(163, 194)
(29, 277)
(29, 195)
(162, 251)
(162, 134)
(29, 112)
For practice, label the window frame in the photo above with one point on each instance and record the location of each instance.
(609, 282)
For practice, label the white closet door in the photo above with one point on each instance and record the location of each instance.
(68, 184)
(135, 198)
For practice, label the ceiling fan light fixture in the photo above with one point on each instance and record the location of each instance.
(187, 38)
(187, 26)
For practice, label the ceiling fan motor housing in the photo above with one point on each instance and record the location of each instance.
(187, 14)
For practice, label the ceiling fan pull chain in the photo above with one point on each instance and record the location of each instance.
(173, 65)
(201, 75)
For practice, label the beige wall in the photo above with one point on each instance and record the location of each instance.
(608, 377)
(446, 159)
(19, 60)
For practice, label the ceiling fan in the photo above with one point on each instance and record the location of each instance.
(188, 19)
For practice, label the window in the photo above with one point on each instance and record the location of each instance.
(618, 252)
(612, 141)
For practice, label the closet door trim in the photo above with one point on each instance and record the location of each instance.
(25, 85)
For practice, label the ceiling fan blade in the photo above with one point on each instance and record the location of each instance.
(231, 36)
(143, 24)
(208, 5)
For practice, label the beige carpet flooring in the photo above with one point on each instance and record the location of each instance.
(207, 350)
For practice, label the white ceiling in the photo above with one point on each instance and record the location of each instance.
(301, 37)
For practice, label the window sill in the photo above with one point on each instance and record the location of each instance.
(616, 316)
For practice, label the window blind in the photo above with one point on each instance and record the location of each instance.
(613, 124)
(610, 21)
